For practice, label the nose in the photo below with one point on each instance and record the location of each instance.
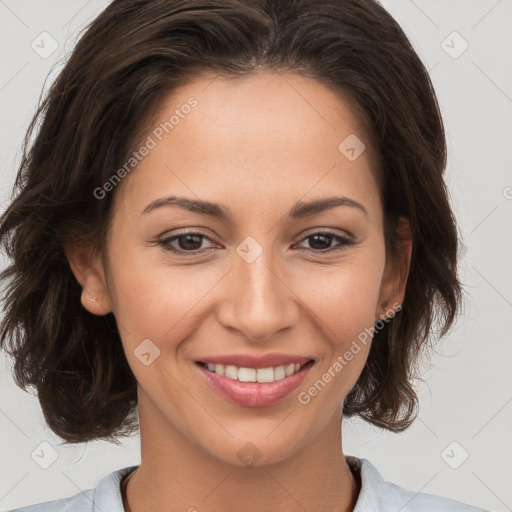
(258, 300)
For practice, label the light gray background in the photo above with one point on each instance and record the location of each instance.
(467, 394)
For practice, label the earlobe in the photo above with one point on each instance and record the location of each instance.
(88, 271)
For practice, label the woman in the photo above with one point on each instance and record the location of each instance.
(231, 232)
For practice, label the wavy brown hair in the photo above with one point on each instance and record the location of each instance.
(128, 59)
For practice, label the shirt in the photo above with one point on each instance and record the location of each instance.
(376, 495)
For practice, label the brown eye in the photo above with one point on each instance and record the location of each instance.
(184, 243)
(321, 241)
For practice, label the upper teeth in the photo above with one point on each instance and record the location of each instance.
(253, 374)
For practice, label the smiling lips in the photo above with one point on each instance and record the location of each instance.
(245, 368)
(254, 374)
(254, 381)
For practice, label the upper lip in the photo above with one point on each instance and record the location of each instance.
(248, 361)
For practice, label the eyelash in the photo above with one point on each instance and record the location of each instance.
(344, 243)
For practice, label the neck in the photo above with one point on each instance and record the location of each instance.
(177, 475)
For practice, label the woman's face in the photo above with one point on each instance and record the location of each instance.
(255, 282)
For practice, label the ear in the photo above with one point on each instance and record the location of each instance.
(396, 272)
(88, 270)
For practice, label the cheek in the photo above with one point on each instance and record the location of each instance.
(156, 299)
(343, 299)
(344, 305)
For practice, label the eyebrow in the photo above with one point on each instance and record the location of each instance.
(299, 210)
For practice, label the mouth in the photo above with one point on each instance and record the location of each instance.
(248, 386)
(247, 374)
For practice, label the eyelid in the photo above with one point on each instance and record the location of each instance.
(165, 239)
(344, 240)
(328, 231)
(308, 232)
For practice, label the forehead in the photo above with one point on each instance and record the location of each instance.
(267, 137)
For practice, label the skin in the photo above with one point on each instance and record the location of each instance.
(256, 146)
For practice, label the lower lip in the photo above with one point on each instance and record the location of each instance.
(254, 394)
